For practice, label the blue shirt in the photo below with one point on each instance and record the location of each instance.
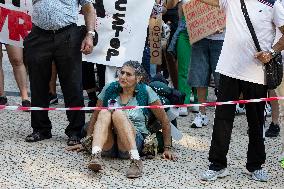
(56, 14)
(136, 116)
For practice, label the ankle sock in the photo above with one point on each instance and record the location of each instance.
(134, 154)
(96, 150)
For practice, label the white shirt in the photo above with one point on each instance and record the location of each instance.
(237, 56)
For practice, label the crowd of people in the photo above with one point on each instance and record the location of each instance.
(227, 57)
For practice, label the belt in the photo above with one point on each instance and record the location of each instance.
(40, 30)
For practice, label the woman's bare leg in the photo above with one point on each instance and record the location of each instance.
(15, 55)
(102, 139)
(126, 142)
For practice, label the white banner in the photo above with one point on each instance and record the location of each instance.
(15, 21)
(122, 30)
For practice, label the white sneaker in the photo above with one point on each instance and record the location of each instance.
(240, 110)
(199, 121)
(194, 109)
(267, 110)
(183, 111)
(211, 175)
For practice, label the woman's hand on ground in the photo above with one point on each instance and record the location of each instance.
(168, 154)
(75, 148)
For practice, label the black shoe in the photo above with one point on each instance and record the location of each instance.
(53, 99)
(26, 103)
(3, 100)
(73, 140)
(37, 136)
(273, 130)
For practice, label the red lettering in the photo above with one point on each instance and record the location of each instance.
(19, 23)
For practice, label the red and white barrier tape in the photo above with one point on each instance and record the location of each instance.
(3, 107)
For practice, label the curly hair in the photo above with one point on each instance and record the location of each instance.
(138, 70)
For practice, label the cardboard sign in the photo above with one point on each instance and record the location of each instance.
(155, 34)
(15, 21)
(202, 20)
(122, 30)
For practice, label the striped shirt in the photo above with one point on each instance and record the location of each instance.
(56, 14)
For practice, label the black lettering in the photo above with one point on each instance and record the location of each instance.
(118, 20)
(115, 43)
(118, 5)
(110, 53)
(16, 3)
(117, 29)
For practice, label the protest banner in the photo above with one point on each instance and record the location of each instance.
(155, 34)
(202, 19)
(15, 21)
(122, 30)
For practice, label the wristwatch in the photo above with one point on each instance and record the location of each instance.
(92, 33)
(273, 52)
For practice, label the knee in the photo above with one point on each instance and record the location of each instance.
(16, 62)
(104, 115)
(118, 116)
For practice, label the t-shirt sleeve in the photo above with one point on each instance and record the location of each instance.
(152, 95)
(84, 2)
(278, 16)
(223, 4)
(102, 93)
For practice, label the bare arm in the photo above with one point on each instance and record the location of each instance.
(161, 115)
(279, 46)
(93, 119)
(90, 19)
(211, 2)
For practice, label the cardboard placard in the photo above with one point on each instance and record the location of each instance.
(155, 35)
(202, 20)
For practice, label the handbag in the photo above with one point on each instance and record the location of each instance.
(274, 68)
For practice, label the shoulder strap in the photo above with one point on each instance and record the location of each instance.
(250, 26)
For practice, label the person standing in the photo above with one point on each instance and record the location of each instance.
(241, 69)
(56, 37)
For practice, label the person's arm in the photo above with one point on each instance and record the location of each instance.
(90, 19)
(161, 115)
(266, 56)
(211, 2)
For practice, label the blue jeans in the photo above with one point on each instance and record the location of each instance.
(173, 44)
(204, 59)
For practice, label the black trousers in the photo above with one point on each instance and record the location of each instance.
(230, 89)
(40, 49)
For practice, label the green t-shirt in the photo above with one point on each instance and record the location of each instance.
(136, 116)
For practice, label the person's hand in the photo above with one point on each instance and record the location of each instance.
(75, 148)
(87, 44)
(168, 154)
(263, 56)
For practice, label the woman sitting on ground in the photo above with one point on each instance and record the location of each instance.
(121, 133)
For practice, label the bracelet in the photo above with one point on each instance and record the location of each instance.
(168, 146)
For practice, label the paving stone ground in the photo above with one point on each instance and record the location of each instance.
(47, 165)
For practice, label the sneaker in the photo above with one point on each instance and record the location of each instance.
(26, 103)
(95, 163)
(267, 110)
(211, 175)
(135, 169)
(53, 99)
(194, 109)
(199, 121)
(273, 130)
(3, 100)
(183, 111)
(240, 109)
(259, 175)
